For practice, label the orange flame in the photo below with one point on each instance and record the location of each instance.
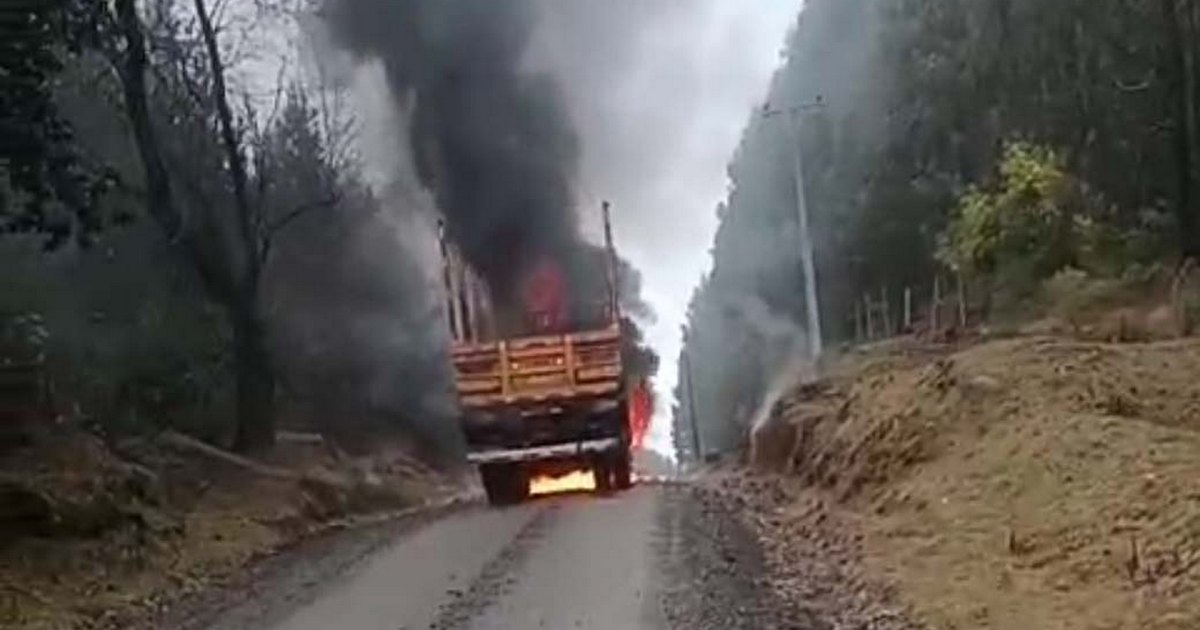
(574, 481)
(641, 407)
(545, 297)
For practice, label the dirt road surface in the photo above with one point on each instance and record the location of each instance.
(654, 558)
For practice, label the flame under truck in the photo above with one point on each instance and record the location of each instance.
(546, 403)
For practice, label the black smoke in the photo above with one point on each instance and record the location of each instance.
(495, 145)
(493, 142)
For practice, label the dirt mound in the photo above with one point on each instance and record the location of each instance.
(1024, 483)
(92, 534)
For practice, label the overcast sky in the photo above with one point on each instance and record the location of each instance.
(660, 91)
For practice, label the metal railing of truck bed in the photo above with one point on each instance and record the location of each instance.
(538, 369)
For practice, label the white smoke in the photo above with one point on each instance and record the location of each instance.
(790, 363)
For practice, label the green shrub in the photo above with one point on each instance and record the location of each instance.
(1105, 248)
(1024, 226)
(1071, 294)
(1037, 233)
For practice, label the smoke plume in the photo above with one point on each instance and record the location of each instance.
(786, 359)
(492, 141)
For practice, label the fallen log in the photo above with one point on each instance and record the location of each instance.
(296, 437)
(181, 442)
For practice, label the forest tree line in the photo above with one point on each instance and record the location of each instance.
(1003, 142)
(183, 247)
(192, 237)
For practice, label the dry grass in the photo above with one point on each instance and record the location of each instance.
(199, 524)
(1025, 483)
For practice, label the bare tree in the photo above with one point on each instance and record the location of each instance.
(229, 241)
(1180, 70)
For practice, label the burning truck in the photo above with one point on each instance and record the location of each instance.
(544, 394)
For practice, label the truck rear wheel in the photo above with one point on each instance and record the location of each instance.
(505, 484)
(622, 471)
(519, 483)
(493, 477)
(602, 472)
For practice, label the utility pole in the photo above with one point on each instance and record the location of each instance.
(686, 364)
(815, 338)
(610, 268)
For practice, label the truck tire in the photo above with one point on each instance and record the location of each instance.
(492, 476)
(505, 484)
(518, 484)
(622, 471)
(602, 471)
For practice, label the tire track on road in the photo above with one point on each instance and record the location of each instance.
(496, 577)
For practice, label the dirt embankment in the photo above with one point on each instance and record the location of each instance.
(1014, 484)
(96, 536)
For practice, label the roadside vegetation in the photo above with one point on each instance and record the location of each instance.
(212, 343)
(1039, 154)
(1002, 433)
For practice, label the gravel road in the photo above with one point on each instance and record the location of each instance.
(654, 557)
